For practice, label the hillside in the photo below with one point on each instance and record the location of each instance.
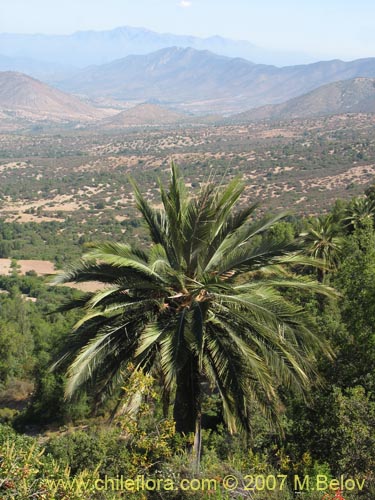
(24, 97)
(203, 82)
(185, 77)
(143, 115)
(348, 96)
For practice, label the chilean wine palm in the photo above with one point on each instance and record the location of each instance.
(204, 304)
(324, 243)
(360, 212)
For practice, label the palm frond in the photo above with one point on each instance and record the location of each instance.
(210, 300)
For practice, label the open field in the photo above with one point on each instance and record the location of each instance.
(40, 267)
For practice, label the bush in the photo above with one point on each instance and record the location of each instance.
(28, 472)
(7, 415)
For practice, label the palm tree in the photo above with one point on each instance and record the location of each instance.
(204, 304)
(323, 243)
(360, 213)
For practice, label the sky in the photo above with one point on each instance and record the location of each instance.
(323, 29)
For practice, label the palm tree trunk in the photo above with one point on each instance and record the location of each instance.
(187, 399)
(187, 411)
(197, 447)
(166, 399)
(321, 275)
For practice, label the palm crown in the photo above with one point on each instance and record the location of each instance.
(204, 304)
(324, 243)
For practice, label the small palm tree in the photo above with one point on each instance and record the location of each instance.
(360, 213)
(204, 304)
(323, 243)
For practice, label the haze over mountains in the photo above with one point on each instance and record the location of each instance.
(169, 85)
(47, 71)
(85, 48)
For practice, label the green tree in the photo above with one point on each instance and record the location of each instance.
(10, 359)
(360, 213)
(354, 439)
(204, 305)
(355, 360)
(324, 243)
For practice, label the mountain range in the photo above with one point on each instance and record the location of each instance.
(158, 88)
(202, 82)
(85, 48)
(120, 68)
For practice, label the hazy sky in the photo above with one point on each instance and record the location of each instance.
(323, 28)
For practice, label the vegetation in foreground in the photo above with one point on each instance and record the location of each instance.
(332, 433)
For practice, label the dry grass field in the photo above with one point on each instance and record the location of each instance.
(40, 267)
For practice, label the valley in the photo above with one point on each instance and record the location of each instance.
(49, 174)
(77, 185)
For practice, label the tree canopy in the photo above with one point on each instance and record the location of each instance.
(205, 304)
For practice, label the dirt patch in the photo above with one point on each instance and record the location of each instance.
(90, 286)
(13, 165)
(4, 266)
(357, 175)
(58, 203)
(17, 395)
(22, 217)
(41, 267)
(121, 218)
(277, 132)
